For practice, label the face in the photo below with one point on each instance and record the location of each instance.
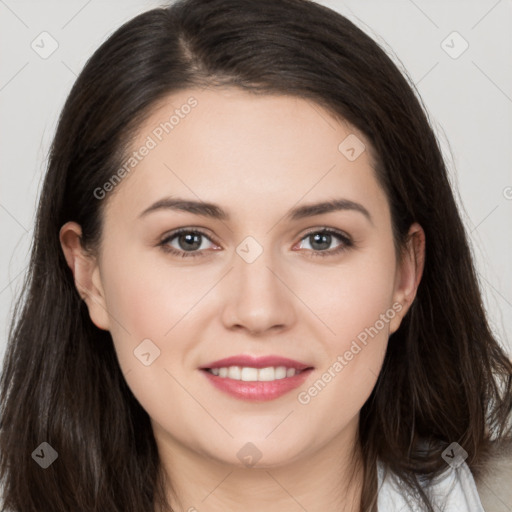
(264, 276)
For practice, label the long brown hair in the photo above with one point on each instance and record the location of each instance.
(445, 377)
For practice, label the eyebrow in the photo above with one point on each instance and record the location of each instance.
(214, 211)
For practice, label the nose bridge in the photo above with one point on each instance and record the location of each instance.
(258, 299)
(253, 266)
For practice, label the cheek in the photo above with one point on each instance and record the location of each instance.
(148, 301)
(354, 302)
(352, 295)
(149, 290)
(158, 312)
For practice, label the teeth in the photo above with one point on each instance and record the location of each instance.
(248, 374)
(290, 372)
(234, 372)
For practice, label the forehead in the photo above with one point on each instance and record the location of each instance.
(247, 151)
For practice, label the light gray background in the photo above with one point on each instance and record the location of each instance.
(469, 100)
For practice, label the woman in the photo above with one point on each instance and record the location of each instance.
(250, 285)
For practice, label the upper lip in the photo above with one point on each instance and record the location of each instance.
(256, 362)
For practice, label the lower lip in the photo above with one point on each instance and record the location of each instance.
(260, 391)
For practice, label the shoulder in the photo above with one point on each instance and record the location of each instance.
(494, 480)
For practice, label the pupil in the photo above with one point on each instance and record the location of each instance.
(190, 238)
(317, 239)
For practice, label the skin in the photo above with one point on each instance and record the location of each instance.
(256, 157)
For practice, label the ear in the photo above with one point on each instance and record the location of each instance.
(409, 272)
(86, 273)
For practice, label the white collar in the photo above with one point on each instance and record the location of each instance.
(452, 491)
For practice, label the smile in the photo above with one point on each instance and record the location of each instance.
(256, 384)
(249, 374)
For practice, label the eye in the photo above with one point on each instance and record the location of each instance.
(319, 239)
(189, 242)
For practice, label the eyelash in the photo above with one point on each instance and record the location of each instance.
(347, 243)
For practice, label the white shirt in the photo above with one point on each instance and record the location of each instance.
(453, 491)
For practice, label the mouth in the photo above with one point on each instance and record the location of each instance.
(250, 361)
(251, 374)
(256, 379)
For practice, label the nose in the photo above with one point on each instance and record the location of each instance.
(257, 297)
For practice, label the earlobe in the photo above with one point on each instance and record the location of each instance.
(85, 270)
(409, 273)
